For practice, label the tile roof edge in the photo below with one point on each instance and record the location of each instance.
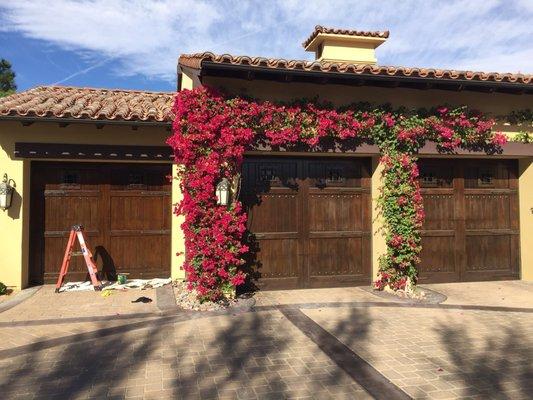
(195, 60)
(32, 117)
(338, 31)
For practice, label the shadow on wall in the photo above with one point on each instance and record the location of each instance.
(227, 357)
(105, 263)
(16, 205)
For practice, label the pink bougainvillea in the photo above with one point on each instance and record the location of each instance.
(211, 133)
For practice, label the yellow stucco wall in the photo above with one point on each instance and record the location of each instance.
(178, 241)
(379, 245)
(14, 237)
(494, 104)
(337, 50)
(525, 196)
(339, 47)
(14, 223)
(186, 81)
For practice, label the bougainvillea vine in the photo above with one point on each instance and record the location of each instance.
(211, 132)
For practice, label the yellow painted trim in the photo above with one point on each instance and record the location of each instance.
(186, 81)
(379, 246)
(177, 238)
(525, 200)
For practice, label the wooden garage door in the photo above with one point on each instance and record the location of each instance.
(310, 219)
(125, 209)
(471, 230)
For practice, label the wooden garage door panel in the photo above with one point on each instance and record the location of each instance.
(279, 213)
(279, 258)
(64, 211)
(487, 211)
(438, 249)
(488, 253)
(336, 212)
(439, 209)
(473, 203)
(310, 219)
(325, 254)
(138, 212)
(124, 208)
(132, 257)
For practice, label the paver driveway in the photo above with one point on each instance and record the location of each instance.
(324, 343)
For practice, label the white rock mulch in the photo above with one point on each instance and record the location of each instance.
(188, 300)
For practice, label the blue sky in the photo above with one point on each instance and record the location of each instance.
(135, 44)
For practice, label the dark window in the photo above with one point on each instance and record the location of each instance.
(429, 179)
(70, 180)
(335, 175)
(136, 181)
(268, 174)
(486, 178)
(432, 176)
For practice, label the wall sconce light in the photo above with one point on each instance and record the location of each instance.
(223, 192)
(6, 193)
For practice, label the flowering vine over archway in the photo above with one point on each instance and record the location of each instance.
(211, 133)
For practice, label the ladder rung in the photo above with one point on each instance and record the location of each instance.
(77, 232)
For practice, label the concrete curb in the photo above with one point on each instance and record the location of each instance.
(19, 298)
(165, 299)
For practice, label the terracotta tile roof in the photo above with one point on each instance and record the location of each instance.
(195, 61)
(322, 29)
(89, 104)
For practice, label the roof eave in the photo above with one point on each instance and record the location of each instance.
(322, 37)
(251, 72)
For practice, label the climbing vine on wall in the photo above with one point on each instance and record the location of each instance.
(211, 133)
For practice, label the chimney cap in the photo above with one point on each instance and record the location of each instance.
(310, 43)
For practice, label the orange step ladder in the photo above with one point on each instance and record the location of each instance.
(77, 232)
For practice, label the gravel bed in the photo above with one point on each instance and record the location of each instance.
(420, 295)
(188, 300)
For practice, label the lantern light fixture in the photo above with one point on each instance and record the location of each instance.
(223, 192)
(6, 193)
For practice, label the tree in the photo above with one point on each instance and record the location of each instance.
(7, 78)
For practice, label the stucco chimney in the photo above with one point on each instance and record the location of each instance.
(344, 45)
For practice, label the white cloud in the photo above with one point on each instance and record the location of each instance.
(146, 37)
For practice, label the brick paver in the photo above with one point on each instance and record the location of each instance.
(440, 354)
(427, 352)
(46, 304)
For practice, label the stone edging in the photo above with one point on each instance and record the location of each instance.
(19, 298)
(432, 296)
